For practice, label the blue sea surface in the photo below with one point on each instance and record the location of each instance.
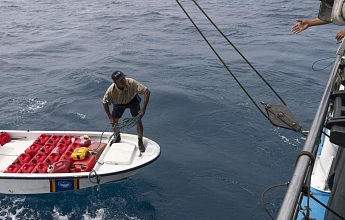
(219, 153)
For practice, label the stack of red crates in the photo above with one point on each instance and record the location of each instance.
(50, 150)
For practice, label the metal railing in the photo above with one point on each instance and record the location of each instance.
(289, 208)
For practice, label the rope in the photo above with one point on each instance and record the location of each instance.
(98, 178)
(263, 197)
(128, 123)
(125, 125)
(245, 91)
(100, 140)
(312, 66)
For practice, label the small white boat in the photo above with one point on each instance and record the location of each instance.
(34, 162)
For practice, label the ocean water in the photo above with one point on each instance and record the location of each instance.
(218, 151)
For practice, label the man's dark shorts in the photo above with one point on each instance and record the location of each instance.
(133, 105)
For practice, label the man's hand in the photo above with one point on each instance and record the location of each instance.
(340, 35)
(300, 26)
(142, 111)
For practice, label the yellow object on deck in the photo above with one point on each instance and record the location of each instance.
(79, 153)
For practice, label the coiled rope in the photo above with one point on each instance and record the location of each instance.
(93, 174)
(323, 67)
(129, 123)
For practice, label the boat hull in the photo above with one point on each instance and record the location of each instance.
(15, 185)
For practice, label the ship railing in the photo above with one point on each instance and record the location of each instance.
(293, 196)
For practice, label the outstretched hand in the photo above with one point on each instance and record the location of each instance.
(300, 26)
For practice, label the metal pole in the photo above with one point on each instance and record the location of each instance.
(290, 201)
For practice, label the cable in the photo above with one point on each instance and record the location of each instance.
(228, 69)
(98, 178)
(312, 66)
(239, 52)
(263, 196)
(129, 123)
(100, 141)
(327, 135)
(329, 209)
(221, 60)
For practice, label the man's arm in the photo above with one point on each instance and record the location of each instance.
(303, 24)
(146, 101)
(107, 111)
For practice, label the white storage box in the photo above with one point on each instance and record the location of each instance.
(120, 154)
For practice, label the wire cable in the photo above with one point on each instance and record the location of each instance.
(239, 52)
(224, 64)
(312, 66)
(263, 197)
(326, 207)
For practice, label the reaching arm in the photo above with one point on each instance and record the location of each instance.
(303, 24)
(107, 111)
(146, 101)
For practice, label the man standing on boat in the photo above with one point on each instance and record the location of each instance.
(124, 93)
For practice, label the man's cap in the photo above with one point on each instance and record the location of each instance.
(117, 76)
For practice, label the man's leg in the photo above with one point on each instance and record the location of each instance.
(116, 130)
(116, 125)
(117, 114)
(140, 129)
(135, 107)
